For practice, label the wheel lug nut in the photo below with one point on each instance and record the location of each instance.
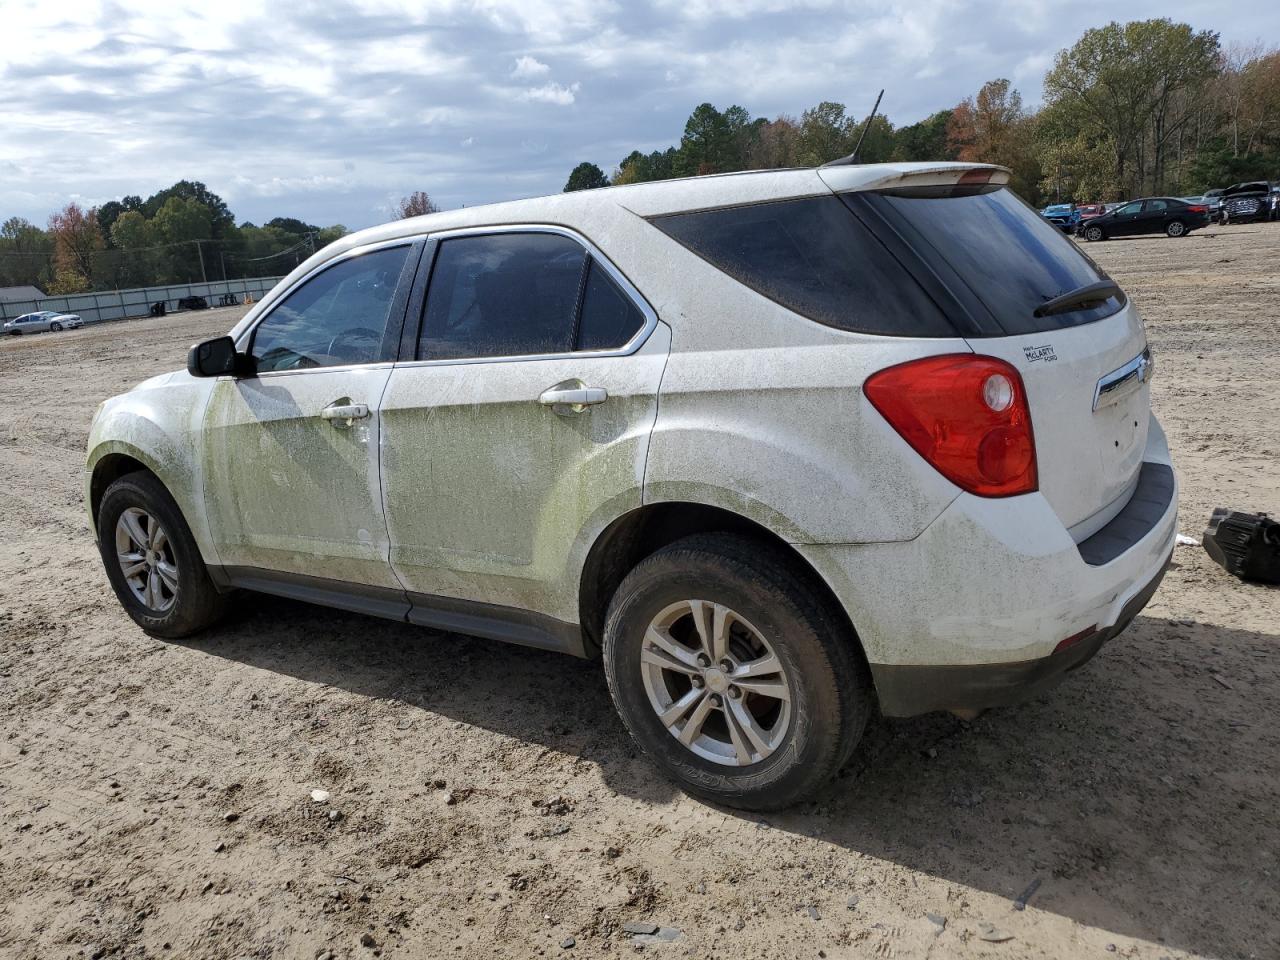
(703, 660)
(734, 693)
(697, 683)
(726, 665)
(715, 700)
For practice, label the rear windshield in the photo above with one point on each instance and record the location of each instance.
(1011, 258)
(813, 256)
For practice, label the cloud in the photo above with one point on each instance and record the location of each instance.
(323, 111)
(528, 68)
(551, 93)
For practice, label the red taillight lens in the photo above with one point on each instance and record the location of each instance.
(1196, 208)
(967, 415)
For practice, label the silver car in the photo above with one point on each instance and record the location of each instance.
(42, 321)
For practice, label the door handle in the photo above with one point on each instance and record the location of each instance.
(572, 397)
(344, 414)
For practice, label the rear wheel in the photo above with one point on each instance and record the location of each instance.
(1093, 233)
(1175, 228)
(733, 673)
(152, 560)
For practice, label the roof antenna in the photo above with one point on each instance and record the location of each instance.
(853, 157)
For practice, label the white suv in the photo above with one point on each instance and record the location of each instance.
(783, 447)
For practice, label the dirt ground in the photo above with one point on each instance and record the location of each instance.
(484, 801)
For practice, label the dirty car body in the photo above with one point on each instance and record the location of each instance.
(527, 421)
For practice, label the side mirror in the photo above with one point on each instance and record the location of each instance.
(217, 358)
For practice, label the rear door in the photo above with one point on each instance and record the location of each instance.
(1155, 215)
(1005, 263)
(521, 424)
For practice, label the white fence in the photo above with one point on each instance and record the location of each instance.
(118, 304)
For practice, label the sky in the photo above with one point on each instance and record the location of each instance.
(331, 110)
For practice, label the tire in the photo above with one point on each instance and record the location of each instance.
(195, 603)
(1093, 234)
(830, 695)
(54, 327)
(1175, 229)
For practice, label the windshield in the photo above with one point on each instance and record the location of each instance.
(1009, 256)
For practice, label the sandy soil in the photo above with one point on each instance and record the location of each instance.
(155, 799)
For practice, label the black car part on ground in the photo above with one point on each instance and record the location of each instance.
(193, 303)
(1244, 544)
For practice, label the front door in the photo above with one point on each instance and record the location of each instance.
(1128, 220)
(522, 428)
(291, 453)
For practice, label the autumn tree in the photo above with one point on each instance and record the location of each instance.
(416, 204)
(76, 239)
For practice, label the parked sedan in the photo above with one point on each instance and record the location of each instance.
(1167, 215)
(42, 321)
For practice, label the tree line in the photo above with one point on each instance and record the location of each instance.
(1144, 108)
(182, 234)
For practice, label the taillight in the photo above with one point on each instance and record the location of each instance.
(965, 414)
(1196, 208)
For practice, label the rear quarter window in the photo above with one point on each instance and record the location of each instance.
(814, 257)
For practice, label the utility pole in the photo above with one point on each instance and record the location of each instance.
(200, 250)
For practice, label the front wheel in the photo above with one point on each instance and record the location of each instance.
(55, 327)
(1175, 228)
(152, 559)
(1093, 234)
(733, 673)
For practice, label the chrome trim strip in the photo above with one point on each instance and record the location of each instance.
(1122, 381)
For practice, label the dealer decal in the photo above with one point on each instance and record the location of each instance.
(1044, 352)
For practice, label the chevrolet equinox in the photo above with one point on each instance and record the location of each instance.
(781, 448)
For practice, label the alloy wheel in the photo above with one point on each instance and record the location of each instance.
(146, 559)
(715, 683)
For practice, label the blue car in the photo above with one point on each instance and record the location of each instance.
(1064, 216)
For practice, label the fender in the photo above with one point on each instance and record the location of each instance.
(157, 425)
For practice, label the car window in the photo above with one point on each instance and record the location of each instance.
(814, 257)
(338, 317)
(609, 318)
(502, 295)
(1129, 208)
(1156, 206)
(1011, 258)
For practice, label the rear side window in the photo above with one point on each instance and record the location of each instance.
(812, 256)
(1011, 258)
(609, 318)
(502, 295)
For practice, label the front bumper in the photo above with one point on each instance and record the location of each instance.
(970, 613)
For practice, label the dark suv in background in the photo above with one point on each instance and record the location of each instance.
(1254, 201)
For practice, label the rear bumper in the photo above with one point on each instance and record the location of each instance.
(970, 613)
(907, 690)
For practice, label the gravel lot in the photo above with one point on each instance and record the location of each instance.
(484, 801)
